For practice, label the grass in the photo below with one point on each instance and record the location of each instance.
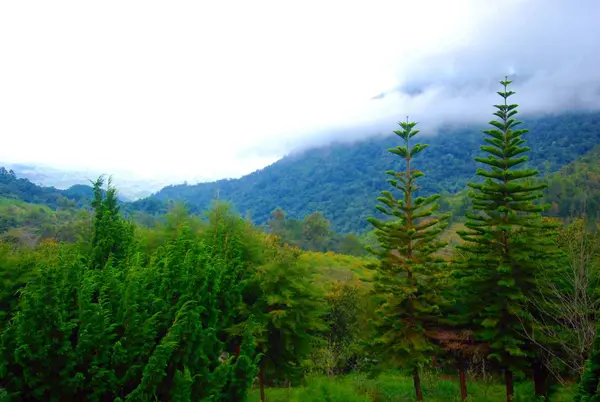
(395, 388)
(337, 267)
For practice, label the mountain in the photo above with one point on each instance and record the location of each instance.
(25, 223)
(344, 180)
(22, 189)
(130, 187)
(575, 189)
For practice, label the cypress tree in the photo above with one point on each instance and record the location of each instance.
(133, 332)
(112, 236)
(406, 275)
(506, 242)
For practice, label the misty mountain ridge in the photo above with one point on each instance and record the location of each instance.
(344, 179)
(129, 188)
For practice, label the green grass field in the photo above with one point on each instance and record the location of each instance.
(397, 388)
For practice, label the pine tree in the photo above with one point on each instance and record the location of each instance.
(406, 274)
(506, 242)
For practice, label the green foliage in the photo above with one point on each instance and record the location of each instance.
(342, 179)
(184, 308)
(24, 190)
(352, 244)
(332, 267)
(231, 237)
(507, 244)
(575, 189)
(289, 307)
(167, 228)
(320, 389)
(17, 267)
(568, 303)
(130, 331)
(313, 233)
(111, 235)
(348, 307)
(392, 387)
(408, 274)
(588, 387)
(25, 224)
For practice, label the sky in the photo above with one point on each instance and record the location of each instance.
(193, 90)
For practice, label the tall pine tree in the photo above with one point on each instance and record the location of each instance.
(506, 242)
(407, 272)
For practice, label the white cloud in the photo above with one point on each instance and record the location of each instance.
(217, 89)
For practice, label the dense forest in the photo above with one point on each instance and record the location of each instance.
(57, 216)
(479, 283)
(575, 188)
(342, 180)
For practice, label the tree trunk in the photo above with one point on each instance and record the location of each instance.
(417, 383)
(540, 378)
(463, 380)
(510, 388)
(261, 383)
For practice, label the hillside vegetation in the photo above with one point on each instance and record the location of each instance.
(575, 189)
(23, 223)
(24, 190)
(342, 180)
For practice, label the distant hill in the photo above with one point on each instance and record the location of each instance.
(130, 187)
(343, 180)
(575, 189)
(13, 187)
(27, 224)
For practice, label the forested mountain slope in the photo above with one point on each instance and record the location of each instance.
(131, 187)
(26, 224)
(343, 180)
(575, 189)
(22, 189)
